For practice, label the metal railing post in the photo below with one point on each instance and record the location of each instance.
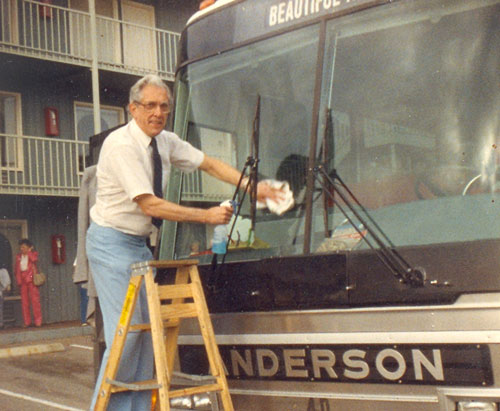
(95, 68)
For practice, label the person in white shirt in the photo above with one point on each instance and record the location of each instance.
(122, 219)
(4, 286)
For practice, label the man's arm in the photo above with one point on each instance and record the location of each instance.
(220, 170)
(225, 172)
(159, 208)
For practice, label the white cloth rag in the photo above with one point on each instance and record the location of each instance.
(282, 205)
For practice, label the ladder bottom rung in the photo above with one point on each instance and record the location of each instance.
(194, 390)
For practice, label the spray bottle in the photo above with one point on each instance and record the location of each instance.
(221, 232)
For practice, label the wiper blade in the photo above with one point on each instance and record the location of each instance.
(386, 252)
(254, 154)
(252, 164)
(328, 135)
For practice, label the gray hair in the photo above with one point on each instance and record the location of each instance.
(150, 79)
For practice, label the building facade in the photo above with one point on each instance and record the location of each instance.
(66, 67)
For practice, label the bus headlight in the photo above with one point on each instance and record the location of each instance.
(476, 406)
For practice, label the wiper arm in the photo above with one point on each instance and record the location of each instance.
(386, 252)
(254, 154)
(252, 164)
(328, 135)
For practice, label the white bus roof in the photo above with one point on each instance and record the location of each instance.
(217, 4)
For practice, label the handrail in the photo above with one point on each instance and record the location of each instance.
(34, 165)
(46, 31)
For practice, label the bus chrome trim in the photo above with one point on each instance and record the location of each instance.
(418, 337)
(448, 397)
(337, 396)
(464, 321)
(464, 302)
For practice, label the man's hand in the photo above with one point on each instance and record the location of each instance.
(229, 174)
(265, 191)
(157, 207)
(219, 215)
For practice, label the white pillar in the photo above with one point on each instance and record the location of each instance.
(95, 68)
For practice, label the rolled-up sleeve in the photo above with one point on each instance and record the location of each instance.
(183, 155)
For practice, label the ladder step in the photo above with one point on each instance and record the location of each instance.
(186, 310)
(120, 386)
(194, 390)
(170, 263)
(175, 291)
(147, 327)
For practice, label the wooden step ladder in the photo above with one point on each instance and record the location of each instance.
(168, 305)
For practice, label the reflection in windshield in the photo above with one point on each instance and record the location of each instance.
(412, 96)
(415, 100)
(223, 93)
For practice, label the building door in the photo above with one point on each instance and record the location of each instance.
(10, 128)
(139, 43)
(84, 123)
(11, 231)
(108, 31)
(6, 258)
(8, 22)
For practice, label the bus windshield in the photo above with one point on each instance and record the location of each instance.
(407, 115)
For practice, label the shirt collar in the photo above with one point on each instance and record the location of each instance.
(143, 139)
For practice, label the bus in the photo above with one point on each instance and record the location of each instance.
(379, 287)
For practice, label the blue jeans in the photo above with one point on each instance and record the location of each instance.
(111, 253)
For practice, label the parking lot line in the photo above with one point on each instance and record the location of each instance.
(39, 401)
(85, 347)
(30, 350)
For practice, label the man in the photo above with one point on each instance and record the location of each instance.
(126, 206)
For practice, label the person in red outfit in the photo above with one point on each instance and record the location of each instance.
(25, 269)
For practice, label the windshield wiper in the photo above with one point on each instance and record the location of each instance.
(386, 250)
(252, 164)
(328, 135)
(254, 159)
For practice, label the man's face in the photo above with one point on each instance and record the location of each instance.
(24, 248)
(152, 111)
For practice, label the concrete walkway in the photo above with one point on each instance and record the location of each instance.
(18, 335)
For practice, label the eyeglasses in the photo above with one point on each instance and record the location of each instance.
(150, 107)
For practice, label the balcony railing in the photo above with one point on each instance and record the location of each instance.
(53, 167)
(41, 166)
(50, 32)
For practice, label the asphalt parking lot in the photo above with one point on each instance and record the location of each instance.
(62, 379)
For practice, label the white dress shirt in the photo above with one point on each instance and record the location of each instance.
(125, 171)
(24, 262)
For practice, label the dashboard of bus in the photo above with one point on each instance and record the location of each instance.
(405, 111)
